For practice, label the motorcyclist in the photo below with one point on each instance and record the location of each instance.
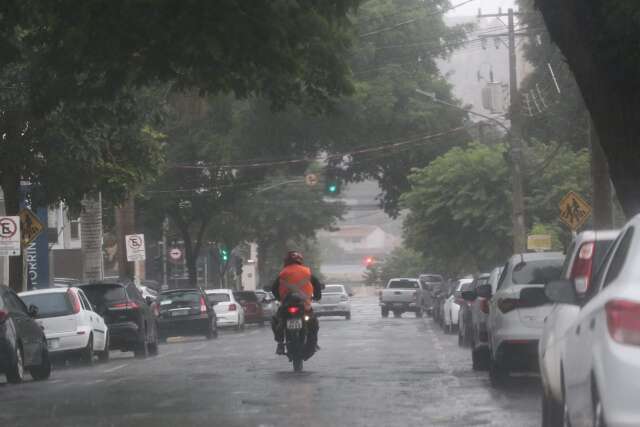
(295, 278)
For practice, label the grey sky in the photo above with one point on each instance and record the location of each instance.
(487, 6)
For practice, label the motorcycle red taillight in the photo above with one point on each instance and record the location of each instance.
(293, 310)
(484, 305)
(4, 315)
(583, 266)
(233, 307)
(623, 321)
(75, 301)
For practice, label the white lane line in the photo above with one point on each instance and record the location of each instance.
(115, 368)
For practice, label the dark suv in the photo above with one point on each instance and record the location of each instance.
(186, 312)
(131, 320)
(22, 341)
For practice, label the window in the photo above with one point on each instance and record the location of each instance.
(50, 304)
(133, 292)
(218, 297)
(536, 272)
(85, 301)
(74, 229)
(503, 274)
(618, 258)
(402, 284)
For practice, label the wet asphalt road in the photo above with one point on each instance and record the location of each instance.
(370, 372)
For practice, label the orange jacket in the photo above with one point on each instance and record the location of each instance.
(296, 278)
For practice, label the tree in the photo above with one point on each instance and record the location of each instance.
(459, 205)
(402, 262)
(598, 41)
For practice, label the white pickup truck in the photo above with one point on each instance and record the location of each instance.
(401, 295)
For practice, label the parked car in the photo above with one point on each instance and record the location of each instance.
(464, 317)
(451, 305)
(251, 305)
(439, 296)
(131, 321)
(23, 344)
(268, 302)
(70, 323)
(228, 311)
(517, 312)
(480, 298)
(335, 302)
(401, 295)
(430, 284)
(186, 312)
(584, 259)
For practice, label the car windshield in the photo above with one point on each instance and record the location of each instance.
(333, 289)
(403, 284)
(50, 304)
(218, 297)
(537, 271)
(246, 296)
(104, 294)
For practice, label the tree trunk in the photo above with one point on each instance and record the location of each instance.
(602, 209)
(125, 224)
(610, 91)
(11, 191)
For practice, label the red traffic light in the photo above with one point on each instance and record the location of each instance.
(368, 260)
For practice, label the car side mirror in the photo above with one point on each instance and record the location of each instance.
(33, 310)
(468, 295)
(561, 291)
(484, 291)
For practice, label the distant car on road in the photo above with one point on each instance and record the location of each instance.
(251, 305)
(465, 327)
(70, 323)
(185, 312)
(131, 321)
(517, 312)
(452, 305)
(576, 325)
(228, 310)
(480, 298)
(268, 302)
(335, 302)
(23, 344)
(401, 295)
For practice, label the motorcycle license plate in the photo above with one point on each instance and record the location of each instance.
(294, 324)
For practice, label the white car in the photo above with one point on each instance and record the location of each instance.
(584, 258)
(335, 301)
(228, 310)
(517, 312)
(452, 306)
(600, 367)
(70, 323)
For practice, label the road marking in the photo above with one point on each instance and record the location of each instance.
(115, 368)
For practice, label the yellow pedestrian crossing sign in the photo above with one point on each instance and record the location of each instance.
(574, 210)
(30, 226)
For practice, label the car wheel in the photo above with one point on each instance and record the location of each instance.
(211, 333)
(15, 373)
(103, 356)
(385, 312)
(86, 355)
(347, 316)
(43, 370)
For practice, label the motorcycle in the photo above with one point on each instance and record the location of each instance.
(297, 329)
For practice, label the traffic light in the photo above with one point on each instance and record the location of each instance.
(224, 254)
(332, 186)
(368, 261)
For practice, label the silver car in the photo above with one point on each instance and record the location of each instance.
(268, 302)
(335, 302)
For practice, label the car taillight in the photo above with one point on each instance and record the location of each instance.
(582, 267)
(508, 304)
(203, 305)
(233, 307)
(75, 301)
(130, 305)
(484, 305)
(623, 321)
(293, 310)
(4, 315)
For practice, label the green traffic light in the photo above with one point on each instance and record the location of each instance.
(333, 188)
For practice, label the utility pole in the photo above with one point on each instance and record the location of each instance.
(515, 136)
